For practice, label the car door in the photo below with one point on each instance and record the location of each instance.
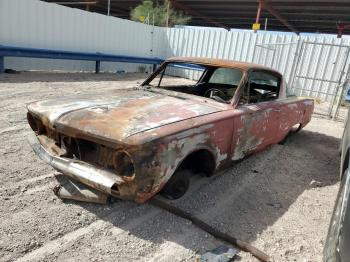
(336, 248)
(256, 121)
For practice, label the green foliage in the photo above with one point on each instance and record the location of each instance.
(148, 9)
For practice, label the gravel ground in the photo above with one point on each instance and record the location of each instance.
(280, 200)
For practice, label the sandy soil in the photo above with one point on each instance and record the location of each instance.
(280, 200)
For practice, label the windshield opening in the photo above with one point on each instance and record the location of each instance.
(217, 83)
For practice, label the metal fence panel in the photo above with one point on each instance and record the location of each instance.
(37, 24)
(319, 62)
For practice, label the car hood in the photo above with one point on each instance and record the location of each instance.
(121, 114)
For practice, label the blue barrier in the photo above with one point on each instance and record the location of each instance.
(11, 51)
(347, 96)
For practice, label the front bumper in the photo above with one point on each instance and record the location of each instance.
(95, 177)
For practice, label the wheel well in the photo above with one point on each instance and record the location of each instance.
(200, 161)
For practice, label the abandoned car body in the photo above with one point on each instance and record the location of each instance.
(133, 143)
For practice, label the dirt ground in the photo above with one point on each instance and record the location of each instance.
(279, 200)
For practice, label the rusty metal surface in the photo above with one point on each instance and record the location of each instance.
(157, 129)
(136, 111)
(73, 190)
(219, 63)
(98, 178)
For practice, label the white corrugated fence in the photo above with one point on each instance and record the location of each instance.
(313, 65)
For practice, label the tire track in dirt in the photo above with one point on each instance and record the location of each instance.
(27, 182)
(56, 245)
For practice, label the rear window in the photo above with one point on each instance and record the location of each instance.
(227, 76)
(262, 78)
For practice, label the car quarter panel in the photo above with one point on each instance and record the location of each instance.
(294, 111)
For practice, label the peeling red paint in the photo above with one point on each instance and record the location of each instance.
(159, 129)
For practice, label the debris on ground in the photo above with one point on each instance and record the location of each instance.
(219, 254)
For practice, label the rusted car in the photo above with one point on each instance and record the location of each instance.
(191, 116)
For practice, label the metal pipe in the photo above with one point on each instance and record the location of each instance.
(11, 51)
(276, 14)
(333, 74)
(324, 70)
(155, 201)
(109, 7)
(318, 79)
(343, 86)
(341, 28)
(299, 54)
(312, 90)
(98, 178)
(325, 44)
(76, 3)
(258, 15)
(339, 82)
(267, 44)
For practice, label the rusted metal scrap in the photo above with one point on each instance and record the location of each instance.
(90, 175)
(133, 143)
(70, 189)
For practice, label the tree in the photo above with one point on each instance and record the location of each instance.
(164, 14)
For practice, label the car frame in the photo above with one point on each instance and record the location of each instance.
(138, 142)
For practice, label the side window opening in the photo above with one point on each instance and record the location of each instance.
(261, 87)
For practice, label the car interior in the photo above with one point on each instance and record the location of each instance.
(217, 83)
(261, 87)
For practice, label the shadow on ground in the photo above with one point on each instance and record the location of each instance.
(242, 201)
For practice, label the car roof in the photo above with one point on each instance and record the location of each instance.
(220, 63)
